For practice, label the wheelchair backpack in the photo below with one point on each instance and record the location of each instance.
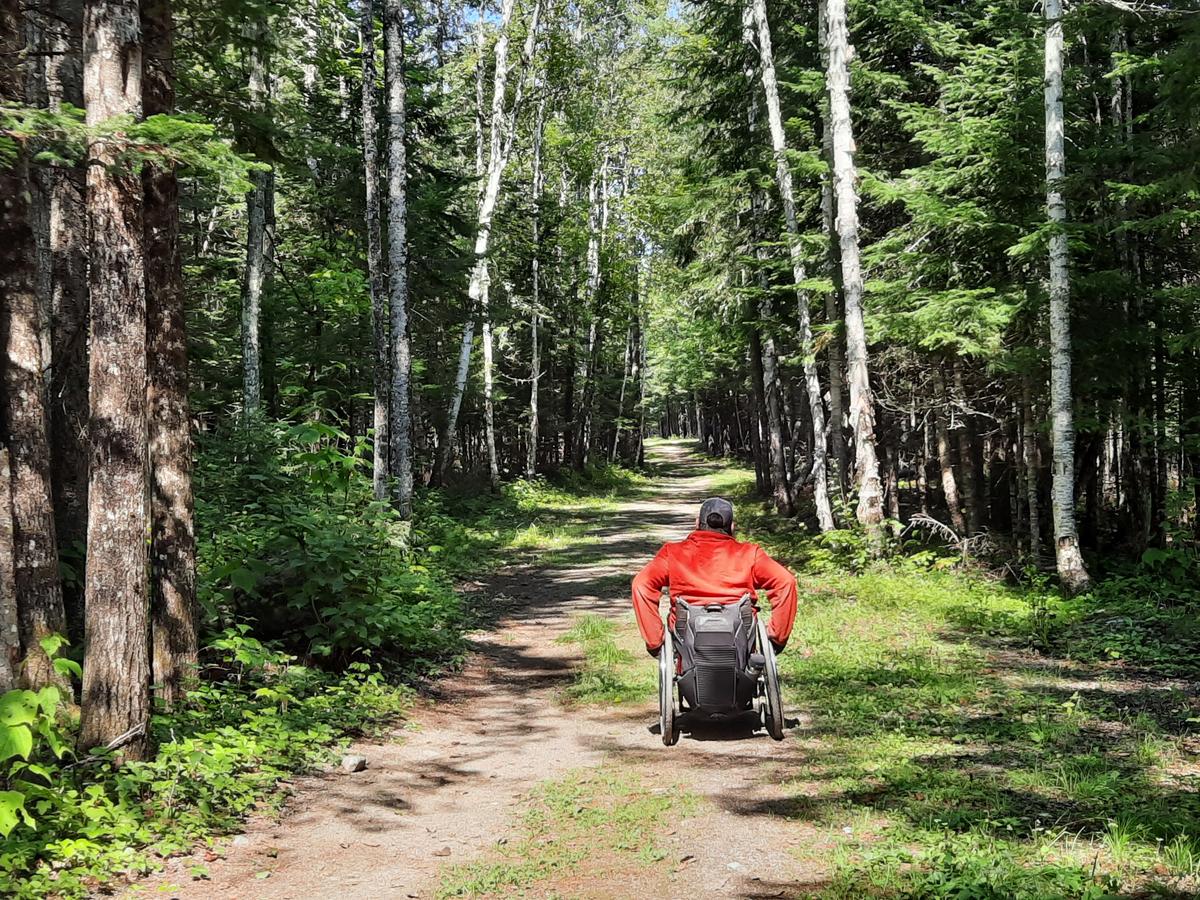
(714, 642)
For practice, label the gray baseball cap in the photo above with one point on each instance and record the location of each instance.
(716, 513)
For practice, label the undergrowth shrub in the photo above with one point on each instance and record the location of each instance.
(84, 821)
(290, 537)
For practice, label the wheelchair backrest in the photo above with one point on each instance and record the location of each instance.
(714, 642)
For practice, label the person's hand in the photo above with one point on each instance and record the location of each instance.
(777, 646)
(654, 651)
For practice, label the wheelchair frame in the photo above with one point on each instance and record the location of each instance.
(768, 701)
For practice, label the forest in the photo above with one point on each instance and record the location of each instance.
(319, 317)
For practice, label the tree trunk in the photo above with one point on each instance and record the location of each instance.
(260, 248)
(971, 488)
(34, 546)
(502, 133)
(596, 200)
(626, 372)
(10, 637)
(1071, 569)
(643, 370)
(833, 300)
(758, 423)
(862, 402)
(381, 364)
(1029, 454)
(923, 470)
(400, 427)
(946, 455)
(172, 534)
(116, 671)
(783, 176)
(62, 191)
(535, 365)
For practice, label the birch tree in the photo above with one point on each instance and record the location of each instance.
(834, 302)
(502, 134)
(401, 361)
(260, 248)
(1071, 569)
(845, 177)
(116, 670)
(381, 363)
(597, 201)
(535, 316)
(783, 178)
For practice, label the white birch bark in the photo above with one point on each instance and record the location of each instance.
(259, 247)
(783, 177)
(845, 176)
(597, 214)
(1071, 569)
(535, 366)
(503, 127)
(381, 364)
(400, 428)
(833, 300)
(626, 371)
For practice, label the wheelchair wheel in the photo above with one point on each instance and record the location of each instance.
(668, 708)
(770, 676)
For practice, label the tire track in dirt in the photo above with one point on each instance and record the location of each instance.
(450, 784)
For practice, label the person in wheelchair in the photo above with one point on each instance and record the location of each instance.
(714, 632)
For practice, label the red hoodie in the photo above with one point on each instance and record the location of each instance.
(712, 567)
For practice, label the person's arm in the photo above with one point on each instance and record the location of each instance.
(780, 585)
(647, 585)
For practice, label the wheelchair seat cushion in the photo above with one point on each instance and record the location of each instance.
(715, 642)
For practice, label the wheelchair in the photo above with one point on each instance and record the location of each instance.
(717, 663)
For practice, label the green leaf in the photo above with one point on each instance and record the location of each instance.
(245, 579)
(52, 643)
(12, 803)
(68, 668)
(15, 740)
(18, 708)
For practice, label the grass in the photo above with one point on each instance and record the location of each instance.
(969, 737)
(473, 531)
(616, 669)
(982, 767)
(592, 826)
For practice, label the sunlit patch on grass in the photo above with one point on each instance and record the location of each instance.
(614, 671)
(595, 826)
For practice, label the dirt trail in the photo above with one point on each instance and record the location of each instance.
(448, 786)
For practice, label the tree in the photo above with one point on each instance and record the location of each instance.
(501, 136)
(401, 362)
(116, 671)
(381, 363)
(535, 316)
(34, 547)
(174, 611)
(260, 215)
(10, 636)
(783, 177)
(845, 176)
(1071, 568)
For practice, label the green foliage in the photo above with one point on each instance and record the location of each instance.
(611, 672)
(291, 539)
(220, 755)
